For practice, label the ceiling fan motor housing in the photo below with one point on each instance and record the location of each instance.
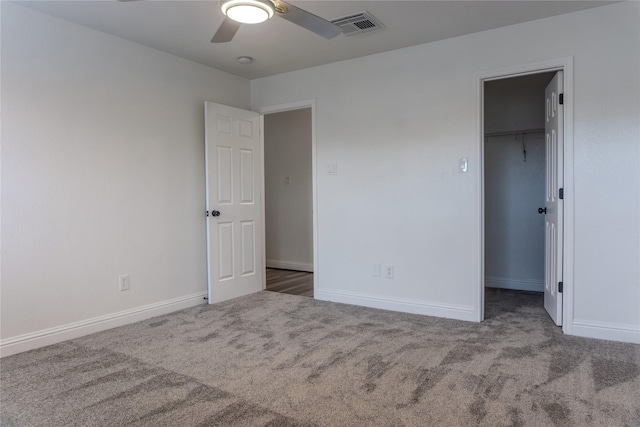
(248, 11)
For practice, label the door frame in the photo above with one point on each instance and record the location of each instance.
(560, 64)
(279, 108)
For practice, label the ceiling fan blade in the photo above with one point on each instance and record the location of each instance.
(227, 30)
(307, 20)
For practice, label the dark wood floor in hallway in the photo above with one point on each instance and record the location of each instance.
(290, 282)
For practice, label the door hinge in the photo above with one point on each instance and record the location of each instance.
(561, 194)
(561, 99)
(560, 287)
(207, 213)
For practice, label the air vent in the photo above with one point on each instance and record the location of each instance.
(360, 23)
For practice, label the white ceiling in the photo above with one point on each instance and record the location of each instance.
(184, 28)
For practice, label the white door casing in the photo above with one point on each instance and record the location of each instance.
(233, 188)
(564, 64)
(553, 203)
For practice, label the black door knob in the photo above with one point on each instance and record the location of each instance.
(215, 213)
(540, 210)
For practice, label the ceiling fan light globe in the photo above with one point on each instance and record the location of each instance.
(248, 11)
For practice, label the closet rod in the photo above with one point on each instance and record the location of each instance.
(517, 132)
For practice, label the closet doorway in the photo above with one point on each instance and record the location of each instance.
(516, 164)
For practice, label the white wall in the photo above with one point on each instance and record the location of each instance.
(102, 175)
(514, 188)
(288, 204)
(397, 123)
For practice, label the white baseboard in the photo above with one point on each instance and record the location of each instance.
(399, 304)
(290, 265)
(516, 284)
(69, 331)
(606, 331)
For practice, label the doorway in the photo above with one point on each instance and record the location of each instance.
(288, 172)
(514, 183)
(560, 221)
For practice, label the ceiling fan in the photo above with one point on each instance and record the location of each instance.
(239, 12)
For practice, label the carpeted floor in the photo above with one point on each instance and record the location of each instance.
(272, 359)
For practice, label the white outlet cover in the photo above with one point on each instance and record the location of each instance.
(376, 270)
(388, 271)
(123, 282)
(332, 169)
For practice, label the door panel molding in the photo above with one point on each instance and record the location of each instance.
(554, 213)
(234, 178)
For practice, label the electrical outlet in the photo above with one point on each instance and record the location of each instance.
(123, 282)
(388, 271)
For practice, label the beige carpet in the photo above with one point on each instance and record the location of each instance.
(272, 359)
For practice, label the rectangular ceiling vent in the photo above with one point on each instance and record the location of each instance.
(360, 23)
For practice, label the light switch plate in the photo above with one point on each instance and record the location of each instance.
(463, 165)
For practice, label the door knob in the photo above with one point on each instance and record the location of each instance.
(215, 213)
(540, 210)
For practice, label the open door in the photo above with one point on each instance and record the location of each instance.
(233, 186)
(553, 209)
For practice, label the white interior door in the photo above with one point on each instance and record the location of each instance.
(553, 209)
(234, 185)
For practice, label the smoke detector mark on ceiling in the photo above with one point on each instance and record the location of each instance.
(359, 23)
